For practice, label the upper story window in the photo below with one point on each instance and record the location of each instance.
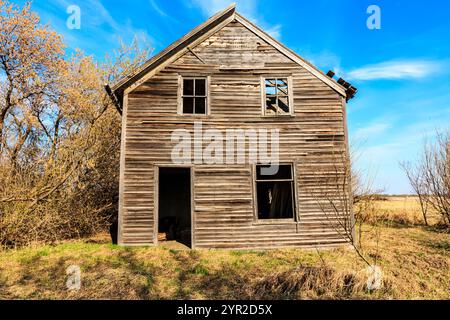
(194, 95)
(277, 96)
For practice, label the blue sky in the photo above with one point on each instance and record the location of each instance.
(402, 71)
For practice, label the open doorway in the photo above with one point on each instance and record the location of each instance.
(174, 205)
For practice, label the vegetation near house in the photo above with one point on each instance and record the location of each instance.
(430, 177)
(414, 260)
(61, 170)
(59, 133)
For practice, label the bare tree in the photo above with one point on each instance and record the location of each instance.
(59, 133)
(416, 180)
(430, 177)
(346, 198)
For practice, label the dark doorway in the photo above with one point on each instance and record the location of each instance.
(174, 203)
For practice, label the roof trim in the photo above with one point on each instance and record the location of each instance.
(173, 48)
(205, 29)
(291, 54)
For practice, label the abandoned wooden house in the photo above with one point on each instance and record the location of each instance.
(229, 74)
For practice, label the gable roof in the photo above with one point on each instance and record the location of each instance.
(201, 33)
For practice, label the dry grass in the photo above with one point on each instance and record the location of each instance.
(401, 210)
(415, 261)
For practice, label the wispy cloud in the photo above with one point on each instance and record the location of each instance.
(210, 7)
(373, 129)
(395, 70)
(158, 9)
(246, 7)
(98, 26)
(324, 60)
(275, 31)
(98, 16)
(161, 12)
(390, 143)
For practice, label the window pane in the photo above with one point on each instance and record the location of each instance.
(271, 105)
(188, 87)
(200, 107)
(283, 105)
(282, 87)
(284, 172)
(200, 85)
(270, 87)
(274, 200)
(188, 105)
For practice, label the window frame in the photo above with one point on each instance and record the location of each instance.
(207, 79)
(293, 180)
(264, 96)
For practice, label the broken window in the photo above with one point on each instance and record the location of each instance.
(276, 96)
(275, 193)
(194, 96)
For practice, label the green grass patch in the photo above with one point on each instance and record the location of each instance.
(415, 263)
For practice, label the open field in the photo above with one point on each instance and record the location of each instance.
(414, 259)
(402, 210)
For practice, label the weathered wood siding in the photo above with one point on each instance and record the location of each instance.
(223, 197)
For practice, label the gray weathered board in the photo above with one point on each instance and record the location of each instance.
(234, 57)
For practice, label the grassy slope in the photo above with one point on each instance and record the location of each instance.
(415, 261)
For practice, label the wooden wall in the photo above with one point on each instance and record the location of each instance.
(223, 199)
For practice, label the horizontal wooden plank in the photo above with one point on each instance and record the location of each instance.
(223, 201)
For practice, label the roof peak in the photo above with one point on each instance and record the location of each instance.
(210, 23)
(202, 32)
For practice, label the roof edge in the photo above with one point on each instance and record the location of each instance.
(174, 47)
(219, 18)
(291, 54)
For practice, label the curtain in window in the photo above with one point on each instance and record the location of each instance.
(281, 204)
